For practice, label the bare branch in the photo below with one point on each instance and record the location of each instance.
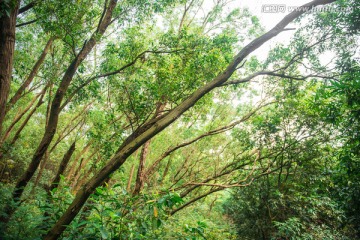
(26, 23)
(27, 7)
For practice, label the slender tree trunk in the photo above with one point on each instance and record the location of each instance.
(70, 127)
(80, 182)
(140, 177)
(84, 177)
(18, 118)
(7, 45)
(78, 173)
(41, 170)
(22, 126)
(46, 156)
(166, 170)
(128, 186)
(79, 168)
(155, 126)
(18, 132)
(62, 167)
(31, 76)
(71, 172)
(66, 132)
(49, 105)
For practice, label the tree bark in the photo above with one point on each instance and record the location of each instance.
(66, 132)
(7, 45)
(85, 176)
(155, 126)
(46, 156)
(166, 170)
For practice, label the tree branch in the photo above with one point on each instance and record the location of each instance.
(26, 23)
(27, 7)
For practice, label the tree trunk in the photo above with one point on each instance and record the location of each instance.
(140, 177)
(71, 172)
(18, 132)
(46, 156)
(31, 76)
(18, 118)
(166, 170)
(81, 166)
(85, 177)
(7, 45)
(62, 167)
(41, 170)
(155, 126)
(128, 186)
(22, 126)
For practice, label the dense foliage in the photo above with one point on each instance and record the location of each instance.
(159, 120)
